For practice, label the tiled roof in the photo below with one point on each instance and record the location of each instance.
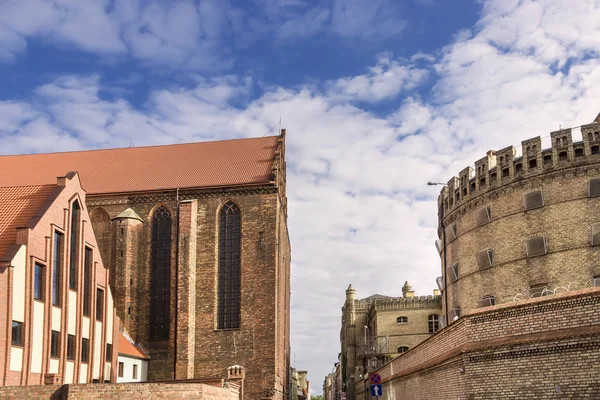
(127, 348)
(192, 165)
(18, 205)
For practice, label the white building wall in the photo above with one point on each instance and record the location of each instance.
(128, 363)
(68, 378)
(18, 264)
(72, 316)
(97, 350)
(37, 345)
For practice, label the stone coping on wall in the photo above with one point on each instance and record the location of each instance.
(569, 314)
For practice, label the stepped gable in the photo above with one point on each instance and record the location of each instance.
(18, 206)
(192, 165)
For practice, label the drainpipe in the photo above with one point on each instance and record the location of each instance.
(444, 262)
(176, 287)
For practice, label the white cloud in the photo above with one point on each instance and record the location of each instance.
(188, 34)
(386, 80)
(358, 201)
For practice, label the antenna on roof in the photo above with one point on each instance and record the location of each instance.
(274, 126)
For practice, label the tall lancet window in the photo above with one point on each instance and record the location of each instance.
(160, 274)
(229, 266)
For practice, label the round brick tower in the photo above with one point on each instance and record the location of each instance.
(520, 227)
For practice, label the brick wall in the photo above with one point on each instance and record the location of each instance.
(546, 348)
(261, 344)
(565, 220)
(134, 391)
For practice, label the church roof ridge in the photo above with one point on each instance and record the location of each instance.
(225, 163)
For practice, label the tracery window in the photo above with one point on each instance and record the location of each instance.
(229, 267)
(160, 274)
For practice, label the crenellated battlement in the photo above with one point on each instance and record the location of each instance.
(400, 303)
(502, 167)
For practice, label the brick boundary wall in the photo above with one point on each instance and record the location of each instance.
(120, 391)
(543, 348)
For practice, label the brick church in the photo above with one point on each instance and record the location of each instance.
(195, 237)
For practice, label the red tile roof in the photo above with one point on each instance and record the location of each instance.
(192, 165)
(127, 348)
(18, 205)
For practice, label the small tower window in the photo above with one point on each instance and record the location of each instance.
(402, 320)
(485, 259)
(533, 163)
(402, 349)
(505, 173)
(533, 199)
(578, 152)
(518, 168)
(454, 275)
(562, 156)
(536, 246)
(486, 301)
(595, 149)
(547, 159)
(539, 290)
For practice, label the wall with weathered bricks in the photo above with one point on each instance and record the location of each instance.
(543, 348)
(261, 344)
(134, 391)
(565, 220)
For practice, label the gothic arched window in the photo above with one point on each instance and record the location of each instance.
(160, 274)
(229, 267)
(101, 224)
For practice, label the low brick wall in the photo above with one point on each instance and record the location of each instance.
(544, 348)
(121, 391)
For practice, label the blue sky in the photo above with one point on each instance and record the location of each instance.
(378, 97)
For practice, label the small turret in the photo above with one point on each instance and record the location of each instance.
(407, 290)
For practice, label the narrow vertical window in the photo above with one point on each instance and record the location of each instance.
(121, 368)
(99, 304)
(229, 266)
(70, 347)
(55, 344)
(160, 274)
(87, 267)
(73, 253)
(17, 333)
(38, 282)
(109, 352)
(134, 374)
(84, 350)
(56, 267)
(433, 321)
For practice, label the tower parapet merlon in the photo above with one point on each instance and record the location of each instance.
(503, 166)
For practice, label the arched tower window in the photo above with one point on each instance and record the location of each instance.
(160, 274)
(101, 224)
(229, 267)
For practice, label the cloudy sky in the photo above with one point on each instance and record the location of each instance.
(378, 97)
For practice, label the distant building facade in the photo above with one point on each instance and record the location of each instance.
(378, 328)
(57, 320)
(195, 237)
(132, 363)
